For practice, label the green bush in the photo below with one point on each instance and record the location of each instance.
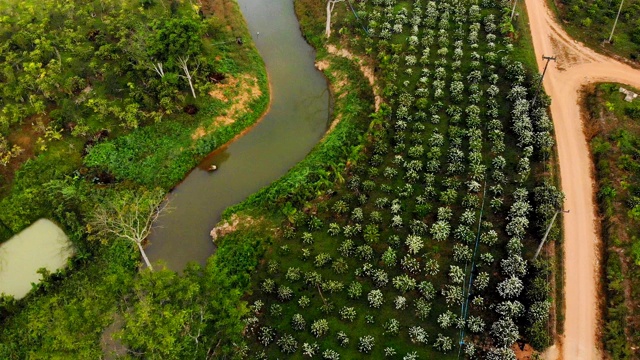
(538, 335)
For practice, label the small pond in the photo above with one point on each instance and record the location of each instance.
(41, 245)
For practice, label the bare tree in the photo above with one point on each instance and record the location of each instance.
(129, 217)
(330, 5)
(157, 67)
(187, 74)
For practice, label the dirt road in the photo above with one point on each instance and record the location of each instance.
(576, 66)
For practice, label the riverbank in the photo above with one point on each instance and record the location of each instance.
(156, 154)
(296, 121)
(222, 284)
(225, 279)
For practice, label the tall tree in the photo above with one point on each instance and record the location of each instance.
(178, 37)
(330, 5)
(187, 74)
(130, 217)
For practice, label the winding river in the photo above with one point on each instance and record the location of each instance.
(296, 121)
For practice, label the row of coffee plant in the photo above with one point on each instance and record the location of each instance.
(422, 251)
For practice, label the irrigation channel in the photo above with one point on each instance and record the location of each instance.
(296, 121)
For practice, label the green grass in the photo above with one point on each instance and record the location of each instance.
(524, 50)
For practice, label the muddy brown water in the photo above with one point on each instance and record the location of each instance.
(296, 121)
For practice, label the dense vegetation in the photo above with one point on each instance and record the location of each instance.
(100, 91)
(615, 129)
(89, 118)
(422, 243)
(592, 22)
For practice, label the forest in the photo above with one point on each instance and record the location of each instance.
(104, 102)
(105, 92)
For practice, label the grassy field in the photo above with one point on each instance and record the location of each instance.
(614, 132)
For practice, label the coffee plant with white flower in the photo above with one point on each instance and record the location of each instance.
(451, 175)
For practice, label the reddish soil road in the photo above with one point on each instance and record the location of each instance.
(576, 66)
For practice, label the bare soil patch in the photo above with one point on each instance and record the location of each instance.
(234, 223)
(340, 82)
(25, 137)
(366, 70)
(239, 92)
(113, 348)
(525, 354)
(337, 88)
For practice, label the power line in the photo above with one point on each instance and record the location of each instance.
(513, 11)
(615, 22)
(357, 17)
(547, 232)
(465, 305)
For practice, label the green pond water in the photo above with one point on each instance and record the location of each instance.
(41, 245)
(296, 121)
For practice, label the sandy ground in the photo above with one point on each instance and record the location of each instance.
(340, 82)
(367, 71)
(576, 66)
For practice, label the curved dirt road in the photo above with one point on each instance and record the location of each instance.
(576, 66)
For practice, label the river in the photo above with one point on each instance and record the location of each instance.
(296, 121)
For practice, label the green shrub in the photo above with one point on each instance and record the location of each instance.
(538, 335)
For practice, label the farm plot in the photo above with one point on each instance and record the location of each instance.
(422, 250)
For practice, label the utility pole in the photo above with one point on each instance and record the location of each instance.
(513, 10)
(548, 58)
(546, 234)
(615, 22)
